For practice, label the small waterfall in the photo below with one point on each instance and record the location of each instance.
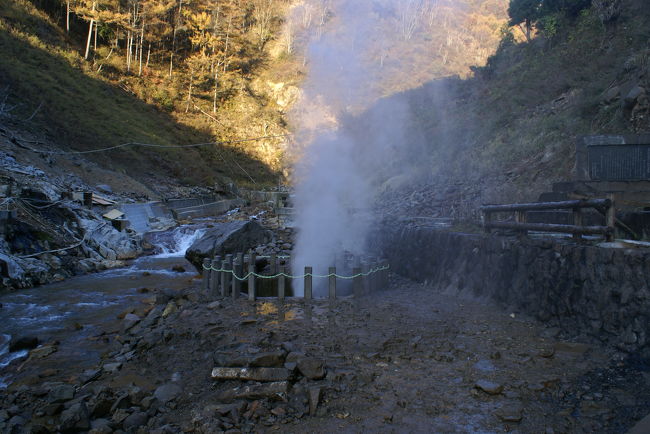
(175, 243)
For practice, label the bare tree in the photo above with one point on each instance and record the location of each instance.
(409, 14)
(263, 13)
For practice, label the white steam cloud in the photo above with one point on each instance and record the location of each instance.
(338, 170)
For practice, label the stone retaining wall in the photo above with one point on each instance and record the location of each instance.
(601, 292)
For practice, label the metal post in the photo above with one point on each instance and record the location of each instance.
(357, 283)
(308, 272)
(332, 282)
(281, 283)
(251, 278)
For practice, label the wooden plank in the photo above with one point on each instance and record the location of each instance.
(567, 204)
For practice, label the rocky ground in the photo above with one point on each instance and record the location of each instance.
(408, 359)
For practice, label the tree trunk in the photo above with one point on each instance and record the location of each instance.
(67, 16)
(178, 22)
(141, 43)
(90, 34)
(189, 92)
(148, 55)
(216, 84)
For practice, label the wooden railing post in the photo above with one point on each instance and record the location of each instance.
(357, 282)
(577, 221)
(281, 282)
(610, 218)
(308, 282)
(225, 276)
(206, 275)
(215, 277)
(252, 296)
(332, 282)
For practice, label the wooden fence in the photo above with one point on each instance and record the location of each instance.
(520, 223)
(237, 274)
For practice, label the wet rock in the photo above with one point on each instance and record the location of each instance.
(61, 393)
(510, 413)
(223, 238)
(167, 392)
(254, 374)
(23, 343)
(178, 269)
(43, 351)
(214, 305)
(135, 421)
(272, 391)
(268, 359)
(76, 418)
(311, 368)
(489, 387)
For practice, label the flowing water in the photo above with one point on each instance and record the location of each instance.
(77, 310)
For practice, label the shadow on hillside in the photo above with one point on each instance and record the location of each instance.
(82, 113)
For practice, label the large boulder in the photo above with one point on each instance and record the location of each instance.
(225, 238)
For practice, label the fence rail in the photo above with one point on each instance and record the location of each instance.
(229, 276)
(606, 206)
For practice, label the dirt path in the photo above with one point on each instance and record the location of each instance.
(406, 360)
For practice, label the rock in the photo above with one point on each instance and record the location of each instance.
(254, 374)
(112, 368)
(223, 238)
(167, 392)
(273, 391)
(611, 94)
(178, 269)
(169, 309)
(269, 359)
(43, 351)
(510, 413)
(129, 321)
(75, 418)
(100, 426)
(311, 368)
(61, 393)
(104, 188)
(135, 421)
(489, 387)
(214, 305)
(23, 343)
(630, 98)
(315, 393)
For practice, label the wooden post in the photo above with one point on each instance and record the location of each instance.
(610, 219)
(308, 288)
(274, 264)
(251, 277)
(487, 219)
(225, 291)
(520, 217)
(357, 282)
(206, 274)
(281, 283)
(215, 277)
(365, 280)
(236, 273)
(225, 276)
(577, 220)
(332, 282)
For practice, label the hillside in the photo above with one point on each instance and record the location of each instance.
(508, 131)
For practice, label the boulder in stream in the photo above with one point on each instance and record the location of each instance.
(224, 238)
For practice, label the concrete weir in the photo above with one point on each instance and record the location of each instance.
(598, 291)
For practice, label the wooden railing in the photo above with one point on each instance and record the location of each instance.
(521, 224)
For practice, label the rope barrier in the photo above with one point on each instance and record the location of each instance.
(153, 145)
(289, 276)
